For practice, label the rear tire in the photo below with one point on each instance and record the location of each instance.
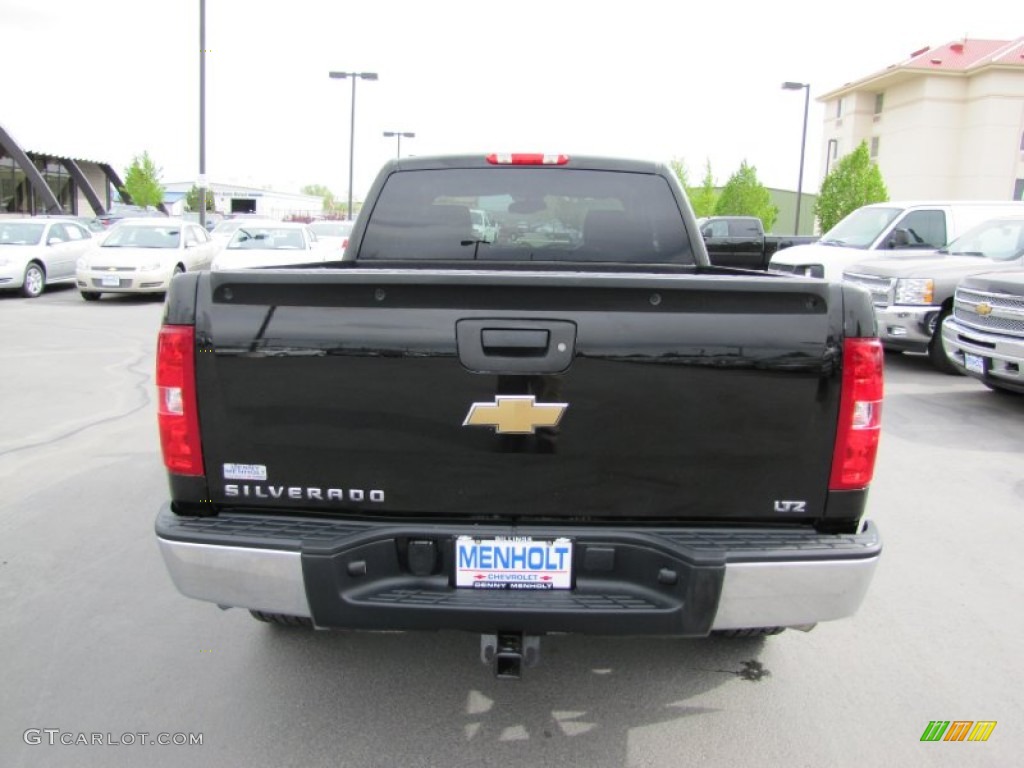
(936, 353)
(749, 632)
(282, 619)
(35, 281)
(90, 295)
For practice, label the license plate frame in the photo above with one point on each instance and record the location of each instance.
(975, 363)
(110, 281)
(513, 562)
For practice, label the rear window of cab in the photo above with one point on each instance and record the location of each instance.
(534, 214)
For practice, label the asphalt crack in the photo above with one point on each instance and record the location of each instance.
(141, 386)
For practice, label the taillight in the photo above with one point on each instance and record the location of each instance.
(526, 158)
(176, 389)
(344, 244)
(860, 415)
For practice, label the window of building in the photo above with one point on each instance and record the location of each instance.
(59, 182)
(879, 99)
(874, 147)
(12, 185)
(839, 108)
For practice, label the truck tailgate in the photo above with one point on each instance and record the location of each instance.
(693, 397)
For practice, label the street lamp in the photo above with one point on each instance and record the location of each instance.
(399, 134)
(202, 114)
(788, 86)
(352, 129)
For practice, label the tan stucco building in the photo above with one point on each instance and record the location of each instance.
(947, 123)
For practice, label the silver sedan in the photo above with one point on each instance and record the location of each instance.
(142, 256)
(36, 252)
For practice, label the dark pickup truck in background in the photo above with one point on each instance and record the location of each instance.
(607, 436)
(740, 241)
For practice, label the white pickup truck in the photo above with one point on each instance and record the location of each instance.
(888, 229)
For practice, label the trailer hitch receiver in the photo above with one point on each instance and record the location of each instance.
(509, 652)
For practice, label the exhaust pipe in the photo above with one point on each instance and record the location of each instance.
(509, 652)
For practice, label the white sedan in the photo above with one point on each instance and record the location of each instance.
(35, 252)
(142, 256)
(270, 244)
(333, 234)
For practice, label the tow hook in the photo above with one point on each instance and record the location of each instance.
(509, 652)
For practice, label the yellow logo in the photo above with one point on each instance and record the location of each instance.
(515, 414)
(984, 309)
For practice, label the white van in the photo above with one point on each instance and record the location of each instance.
(483, 225)
(889, 229)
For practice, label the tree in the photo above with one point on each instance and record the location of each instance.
(142, 182)
(192, 199)
(744, 195)
(704, 197)
(319, 190)
(679, 169)
(855, 181)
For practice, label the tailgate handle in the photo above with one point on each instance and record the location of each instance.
(514, 341)
(503, 345)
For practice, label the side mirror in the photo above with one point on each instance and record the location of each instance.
(54, 241)
(899, 238)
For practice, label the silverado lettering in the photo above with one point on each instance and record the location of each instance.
(669, 447)
(233, 490)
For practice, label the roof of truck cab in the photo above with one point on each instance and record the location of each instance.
(588, 162)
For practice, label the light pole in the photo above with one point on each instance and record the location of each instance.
(788, 86)
(202, 114)
(352, 129)
(399, 135)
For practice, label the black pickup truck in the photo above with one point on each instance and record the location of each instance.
(441, 432)
(740, 241)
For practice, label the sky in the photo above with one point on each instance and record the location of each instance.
(106, 80)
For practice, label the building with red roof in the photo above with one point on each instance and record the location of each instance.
(946, 123)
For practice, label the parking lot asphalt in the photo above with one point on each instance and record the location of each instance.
(94, 639)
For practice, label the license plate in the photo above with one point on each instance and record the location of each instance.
(513, 563)
(111, 281)
(974, 363)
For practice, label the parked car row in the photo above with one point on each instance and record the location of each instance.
(962, 304)
(142, 255)
(885, 229)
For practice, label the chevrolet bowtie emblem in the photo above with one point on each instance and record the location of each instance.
(984, 309)
(514, 414)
